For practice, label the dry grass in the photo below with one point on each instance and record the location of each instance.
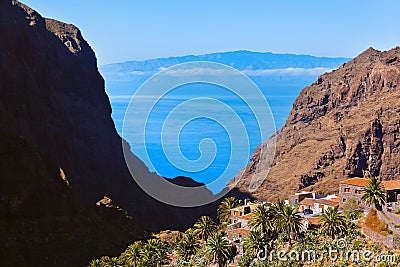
(374, 223)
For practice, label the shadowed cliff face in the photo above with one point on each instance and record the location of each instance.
(346, 124)
(51, 97)
(42, 220)
(53, 100)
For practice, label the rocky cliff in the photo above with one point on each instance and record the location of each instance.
(60, 153)
(346, 124)
(43, 222)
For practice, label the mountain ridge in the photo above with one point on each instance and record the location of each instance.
(241, 59)
(343, 125)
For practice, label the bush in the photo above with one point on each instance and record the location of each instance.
(246, 260)
(357, 244)
(352, 210)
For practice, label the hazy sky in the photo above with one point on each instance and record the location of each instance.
(134, 30)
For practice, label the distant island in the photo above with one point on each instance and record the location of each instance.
(242, 60)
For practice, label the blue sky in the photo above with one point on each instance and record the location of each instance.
(135, 30)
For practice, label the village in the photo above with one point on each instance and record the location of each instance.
(363, 217)
(311, 205)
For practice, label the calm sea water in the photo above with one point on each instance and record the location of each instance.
(280, 94)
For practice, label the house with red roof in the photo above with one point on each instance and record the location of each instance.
(319, 205)
(354, 189)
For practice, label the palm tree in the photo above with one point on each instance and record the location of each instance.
(187, 246)
(254, 242)
(288, 221)
(277, 209)
(218, 250)
(374, 193)
(261, 220)
(104, 261)
(225, 207)
(154, 253)
(332, 222)
(132, 254)
(96, 263)
(204, 227)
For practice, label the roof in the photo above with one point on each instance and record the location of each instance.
(392, 184)
(246, 217)
(313, 220)
(355, 182)
(239, 231)
(303, 193)
(335, 199)
(307, 202)
(389, 185)
(327, 202)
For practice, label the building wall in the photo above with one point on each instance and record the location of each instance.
(293, 200)
(303, 207)
(348, 192)
(244, 223)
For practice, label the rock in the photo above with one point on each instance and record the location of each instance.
(53, 103)
(346, 124)
(43, 222)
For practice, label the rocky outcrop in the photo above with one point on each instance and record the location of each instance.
(346, 124)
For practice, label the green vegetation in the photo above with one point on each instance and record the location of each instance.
(332, 222)
(204, 227)
(218, 250)
(151, 253)
(288, 221)
(374, 193)
(225, 207)
(352, 210)
(154, 253)
(188, 245)
(132, 254)
(275, 228)
(255, 242)
(261, 220)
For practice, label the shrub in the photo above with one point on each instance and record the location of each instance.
(357, 244)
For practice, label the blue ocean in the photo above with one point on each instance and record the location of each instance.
(204, 138)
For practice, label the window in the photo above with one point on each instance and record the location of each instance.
(246, 210)
(347, 190)
(344, 200)
(359, 192)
